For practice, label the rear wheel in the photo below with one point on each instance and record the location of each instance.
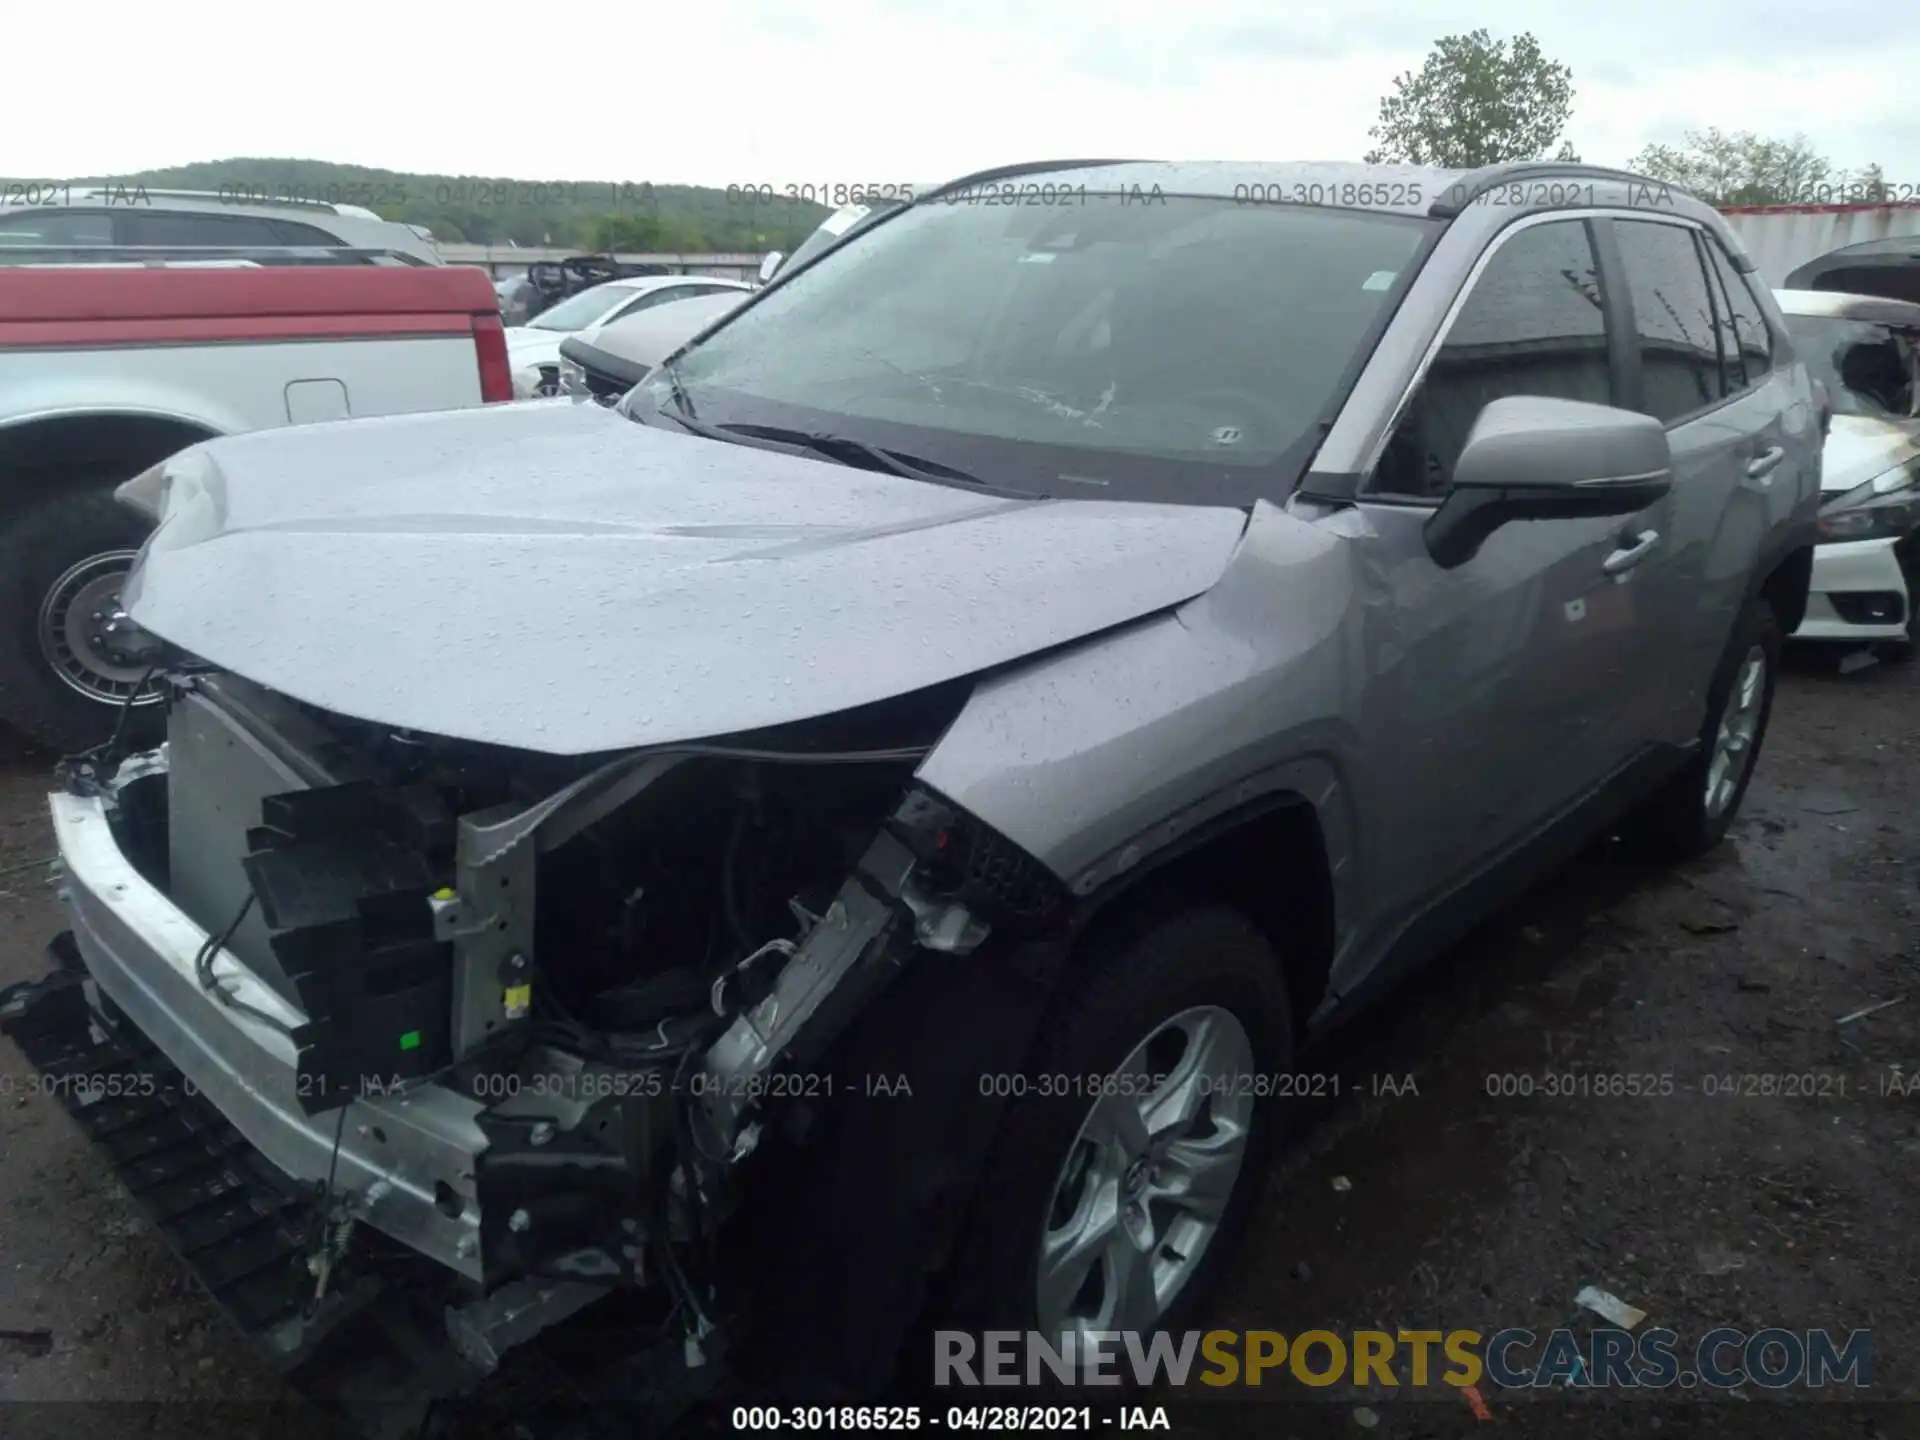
(63, 561)
(1694, 810)
(1127, 1164)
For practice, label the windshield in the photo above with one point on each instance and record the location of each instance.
(830, 232)
(577, 312)
(1868, 368)
(1179, 349)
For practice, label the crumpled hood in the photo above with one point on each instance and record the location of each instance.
(1859, 447)
(554, 577)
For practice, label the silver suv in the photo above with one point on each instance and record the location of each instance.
(861, 830)
(99, 223)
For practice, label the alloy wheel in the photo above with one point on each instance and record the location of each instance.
(1147, 1179)
(1738, 733)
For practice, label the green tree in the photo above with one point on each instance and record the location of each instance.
(1476, 101)
(1742, 168)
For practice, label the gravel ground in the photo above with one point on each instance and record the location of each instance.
(1444, 1205)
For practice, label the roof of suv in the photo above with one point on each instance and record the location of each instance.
(212, 201)
(1415, 190)
(352, 226)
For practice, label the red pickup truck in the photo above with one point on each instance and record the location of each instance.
(105, 371)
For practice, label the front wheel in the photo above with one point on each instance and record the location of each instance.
(63, 561)
(1694, 810)
(1129, 1158)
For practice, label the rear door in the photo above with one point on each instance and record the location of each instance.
(1736, 452)
(1673, 371)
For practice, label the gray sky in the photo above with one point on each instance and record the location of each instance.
(897, 91)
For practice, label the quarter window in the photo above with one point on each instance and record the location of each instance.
(1534, 324)
(1673, 318)
(1750, 335)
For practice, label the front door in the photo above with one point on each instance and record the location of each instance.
(1491, 710)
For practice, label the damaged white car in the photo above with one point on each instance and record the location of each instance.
(855, 835)
(1866, 569)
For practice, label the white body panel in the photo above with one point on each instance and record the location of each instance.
(1851, 565)
(234, 386)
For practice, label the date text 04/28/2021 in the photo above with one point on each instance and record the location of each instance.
(992, 1419)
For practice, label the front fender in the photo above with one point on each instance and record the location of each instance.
(1096, 757)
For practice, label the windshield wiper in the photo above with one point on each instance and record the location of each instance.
(681, 410)
(681, 400)
(848, 450)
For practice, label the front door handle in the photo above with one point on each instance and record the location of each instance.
(1630, 555)
(1763, 464)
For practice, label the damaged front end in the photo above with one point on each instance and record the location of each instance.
(465, 1039)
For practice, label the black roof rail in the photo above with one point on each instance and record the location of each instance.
(1475, 183)
(163, 254)
(1013, 172)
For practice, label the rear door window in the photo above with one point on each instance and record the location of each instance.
(189, 228)
(1752, 340)
(1673, 317)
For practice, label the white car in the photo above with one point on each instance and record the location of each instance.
(1866, 568)
(606, 361)
(533, 349)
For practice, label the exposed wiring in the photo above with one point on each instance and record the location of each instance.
(209, 982)
(328, 1242)
(126, 709)
(108, 748)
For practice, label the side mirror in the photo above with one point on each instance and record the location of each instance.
(1529, 457)
(769, 263)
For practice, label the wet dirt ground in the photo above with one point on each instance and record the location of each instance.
(1764, 1177)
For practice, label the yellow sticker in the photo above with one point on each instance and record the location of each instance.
(519, 997)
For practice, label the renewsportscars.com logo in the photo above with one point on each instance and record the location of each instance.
(1603, 1358)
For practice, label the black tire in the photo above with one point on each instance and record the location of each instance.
(39, 543)
(1106, 1007)
(1677, 822)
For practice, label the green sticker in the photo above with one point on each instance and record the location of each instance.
(410, 1040)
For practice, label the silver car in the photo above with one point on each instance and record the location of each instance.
(860, 831)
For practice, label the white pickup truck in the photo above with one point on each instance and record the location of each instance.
(106, 371)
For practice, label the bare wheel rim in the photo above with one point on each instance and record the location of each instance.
(73, 635)
(1738, 732)
(1147, 1179)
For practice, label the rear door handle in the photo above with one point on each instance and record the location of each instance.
(1630, 555)
(1763, 464)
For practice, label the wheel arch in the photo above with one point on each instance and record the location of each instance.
(1785, 587)
(1274, 859)
(40, 451)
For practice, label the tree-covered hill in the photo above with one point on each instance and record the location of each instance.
(598, 215)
